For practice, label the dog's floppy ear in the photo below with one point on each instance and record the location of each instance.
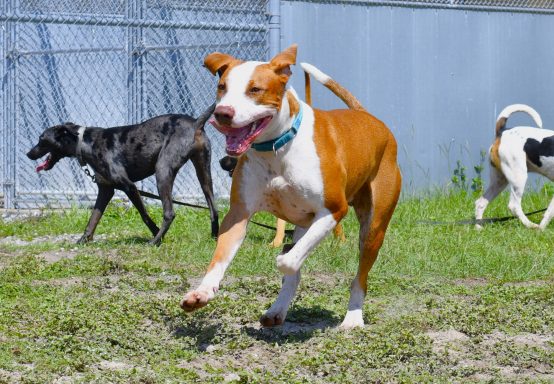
(282, 61)
(70, 128)
(218, 62)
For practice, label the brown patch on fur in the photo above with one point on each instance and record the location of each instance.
(220, 62)
(500, 124)
(268, 82)
(266, 87)
(495, 156)
(350, 145)
(294, 106)
(307, 88)
(283, 60)
(358, 164)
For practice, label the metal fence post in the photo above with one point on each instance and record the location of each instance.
(135, 52)
(10, 118)
(274, 13)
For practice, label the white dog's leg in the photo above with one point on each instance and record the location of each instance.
(290, 262)
(496, 185)
(277, 313)
(354, 317)
(516, 174)
(547, 215)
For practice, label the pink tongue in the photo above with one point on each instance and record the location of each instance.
(42, 165)
(238, 141)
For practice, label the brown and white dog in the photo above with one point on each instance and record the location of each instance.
(336, 159)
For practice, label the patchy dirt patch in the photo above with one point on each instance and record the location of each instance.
(114, 365)
(482, 358)
(531, 283)
(54, 256)
(524, 339)
(10, 377)
(76, 378)
(258, 357)
(472, 282)
(66, 237)
(289, 328)
(449, 342)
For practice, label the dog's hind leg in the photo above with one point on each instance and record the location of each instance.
(165, 177)
(516, 174)
(277, 313)
(133, 194)
(105, 194)
(374, 205)
(201, 161)
(497, 184)
(547, 215)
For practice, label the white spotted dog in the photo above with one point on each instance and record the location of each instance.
(303, 165)
(514, 153)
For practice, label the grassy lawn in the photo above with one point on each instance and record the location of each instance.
(445, 303)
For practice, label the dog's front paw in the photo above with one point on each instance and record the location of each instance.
(532, 226)
(195, 299)
(287, 264)
(273, 318)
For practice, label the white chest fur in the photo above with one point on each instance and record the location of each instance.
(288, 183)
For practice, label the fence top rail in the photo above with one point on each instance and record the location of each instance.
(520, 6)
(117, 21)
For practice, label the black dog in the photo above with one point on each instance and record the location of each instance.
(121, 156)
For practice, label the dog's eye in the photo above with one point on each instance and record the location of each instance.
(255, 90)
(221, 87)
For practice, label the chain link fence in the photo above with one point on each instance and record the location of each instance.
(106, 63)
(114, 62)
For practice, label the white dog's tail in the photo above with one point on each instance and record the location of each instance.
(342, 93)
(506, 112)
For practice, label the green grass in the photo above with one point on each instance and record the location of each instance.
(445, 303)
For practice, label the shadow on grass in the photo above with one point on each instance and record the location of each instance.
(131, 240)
(301, 325)
(200, 330)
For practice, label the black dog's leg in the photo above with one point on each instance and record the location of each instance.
(165, 178)
(201, 162)
(105, 194)
(132, 192)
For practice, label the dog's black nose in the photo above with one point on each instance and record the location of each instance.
(224, 114)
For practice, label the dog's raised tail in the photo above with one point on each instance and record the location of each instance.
(342, 93)
(203, 118)
(506, 112)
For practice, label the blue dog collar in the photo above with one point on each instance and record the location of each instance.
(279, 142)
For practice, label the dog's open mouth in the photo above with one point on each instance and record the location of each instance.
(240, 139)
(47, 164)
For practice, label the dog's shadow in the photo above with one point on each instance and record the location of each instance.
(128, 240)
(302, 324)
